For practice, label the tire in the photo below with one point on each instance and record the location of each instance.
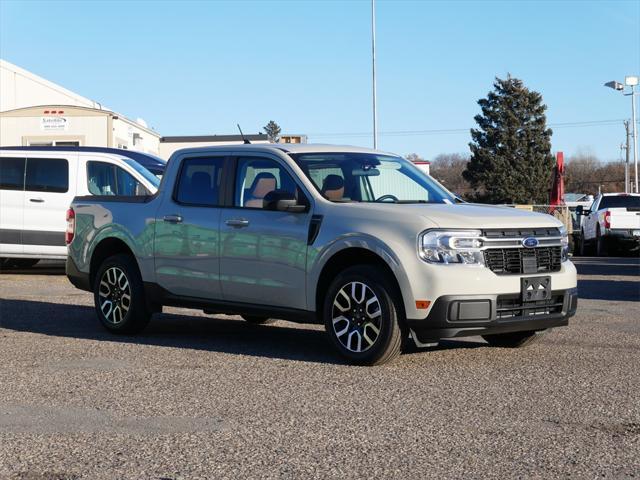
(19, 262)
(118, 278)
(257, 320)
(601, 247)
(350, 306)
(514, 339)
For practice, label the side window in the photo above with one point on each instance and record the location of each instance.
(47, 175)
(108, 179)
(199, 181)
(256, 177)
(12, 173)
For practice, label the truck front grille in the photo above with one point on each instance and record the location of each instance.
(523, 260)
(510, 307)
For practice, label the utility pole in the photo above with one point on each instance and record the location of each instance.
(373, 62)
(635, 131)
(626, 163)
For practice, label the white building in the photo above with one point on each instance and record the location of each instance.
(35, 111)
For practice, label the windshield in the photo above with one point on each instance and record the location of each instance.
(368, 177)
(620, 201)
(150, 177)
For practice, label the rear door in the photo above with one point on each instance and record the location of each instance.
(186, 244)
(50, 183)
(12, 169)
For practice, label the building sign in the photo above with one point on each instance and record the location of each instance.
(51, 124)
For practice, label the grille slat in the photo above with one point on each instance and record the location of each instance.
(513, 260)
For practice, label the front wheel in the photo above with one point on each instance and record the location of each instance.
(362, 316)
(514, 339)
(119, 296)
(601, 247)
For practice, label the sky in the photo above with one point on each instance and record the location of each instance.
(199, 68)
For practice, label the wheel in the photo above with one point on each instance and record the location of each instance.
(119, 296)
(514, 339)
(584, 251)
(362, 316)
(19, 262)
(257, 319)
(601, 247)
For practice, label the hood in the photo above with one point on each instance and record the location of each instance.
(461, 215)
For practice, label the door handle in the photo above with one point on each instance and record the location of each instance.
(172, 218)
(237, 222)
(36, 200)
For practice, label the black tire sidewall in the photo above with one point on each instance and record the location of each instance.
(138, 314)
(389, 325)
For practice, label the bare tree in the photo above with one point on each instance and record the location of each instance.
(447, 168)
(585, 173)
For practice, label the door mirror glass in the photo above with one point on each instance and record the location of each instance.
(283, 201)
(579, 210)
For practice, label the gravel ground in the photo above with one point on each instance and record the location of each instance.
(204, 397)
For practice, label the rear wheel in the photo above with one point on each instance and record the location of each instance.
(119, 296)
(257, 319)
(362, 316)
(601, 247)
(514, 339)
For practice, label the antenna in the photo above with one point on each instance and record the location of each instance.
(246, 142)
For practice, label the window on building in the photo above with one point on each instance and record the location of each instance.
(47, 175)
(199, 182)
(12, 173)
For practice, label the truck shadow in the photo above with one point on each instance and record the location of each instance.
(215, 334)
(614, 290)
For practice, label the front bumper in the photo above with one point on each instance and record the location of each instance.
(467, 315)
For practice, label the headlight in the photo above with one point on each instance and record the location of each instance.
(565, 243)
(451, 246)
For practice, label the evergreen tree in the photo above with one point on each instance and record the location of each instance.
(272, 129)
(511, 159)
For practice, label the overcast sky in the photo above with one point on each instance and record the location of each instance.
(192, 68)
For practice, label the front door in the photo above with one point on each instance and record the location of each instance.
(263, 252)
(186, 244)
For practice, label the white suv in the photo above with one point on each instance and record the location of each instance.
(37, 186)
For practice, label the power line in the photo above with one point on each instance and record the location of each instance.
(454, 131)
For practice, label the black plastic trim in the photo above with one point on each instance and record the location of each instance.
(314, 228)
(32, 237)
(439, 323)
(76, 277)
(157, 295)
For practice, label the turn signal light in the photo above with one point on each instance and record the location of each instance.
(71, 226)
(422, 304)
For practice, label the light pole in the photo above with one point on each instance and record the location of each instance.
(632, 82)
(373, 64)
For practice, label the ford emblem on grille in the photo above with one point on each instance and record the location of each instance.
(530, 242)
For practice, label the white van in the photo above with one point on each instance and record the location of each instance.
(37, 187)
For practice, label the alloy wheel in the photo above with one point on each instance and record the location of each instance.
(115, 295)
(356, 317)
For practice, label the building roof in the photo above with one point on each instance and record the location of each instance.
(212, 138)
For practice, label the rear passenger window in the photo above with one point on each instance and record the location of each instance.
(108, 179)
(12, 173)
(199, 182)
(47, 175)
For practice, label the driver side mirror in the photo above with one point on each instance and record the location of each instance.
(282, 201)
(580, 210)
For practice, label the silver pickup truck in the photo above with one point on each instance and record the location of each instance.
(355, 239)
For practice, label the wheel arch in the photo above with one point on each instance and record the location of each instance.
(349, 257)
(104, 249)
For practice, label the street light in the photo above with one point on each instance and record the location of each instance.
(630, 81)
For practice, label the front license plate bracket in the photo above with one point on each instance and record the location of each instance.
(535, 288)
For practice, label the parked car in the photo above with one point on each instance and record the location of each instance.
(612, 220)
(359, 240)
(37, 187)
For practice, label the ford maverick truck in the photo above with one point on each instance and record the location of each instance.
(355, 239)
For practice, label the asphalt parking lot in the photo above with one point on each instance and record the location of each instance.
(198, 396)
